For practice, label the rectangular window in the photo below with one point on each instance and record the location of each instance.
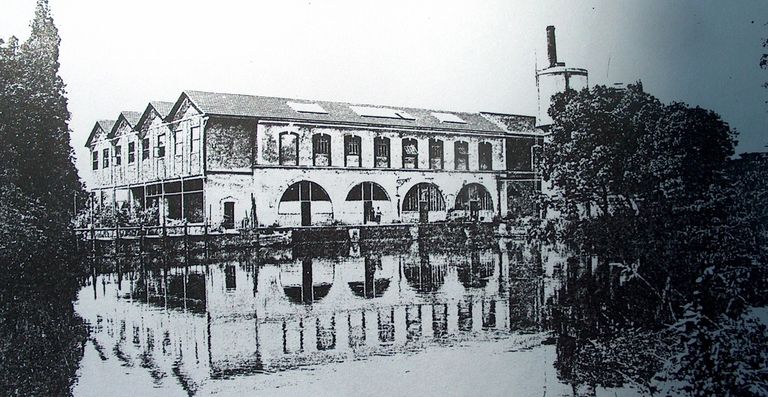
(118, 155)
(435, 154)
(410, 154)
(321, 148)
(461, 156)
(485, 160)
(95, 159)
(352, 151)
(160, 149)
(381, 152)
(289, 148)
(178, 139)
(131, 152)
(145, 148)
(195, 148)
(105, 158)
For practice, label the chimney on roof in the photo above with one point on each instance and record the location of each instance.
(551, 46)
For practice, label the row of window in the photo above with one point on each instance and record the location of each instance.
(321, 152)
(178, 138)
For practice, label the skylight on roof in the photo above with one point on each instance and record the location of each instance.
(369, 111)
(307, 107)
(449, 118)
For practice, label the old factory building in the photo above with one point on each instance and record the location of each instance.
(231, 160)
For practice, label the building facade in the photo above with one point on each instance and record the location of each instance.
(236, 160)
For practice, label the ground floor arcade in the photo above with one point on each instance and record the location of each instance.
(311, 197)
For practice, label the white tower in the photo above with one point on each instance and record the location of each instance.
(555, 78)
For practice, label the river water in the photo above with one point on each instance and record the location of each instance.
(407, 320)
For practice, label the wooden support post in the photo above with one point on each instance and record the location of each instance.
(186, 243)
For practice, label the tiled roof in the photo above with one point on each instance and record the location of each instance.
(162, 107)
(104, 125)
(131, 117)
(338, 112)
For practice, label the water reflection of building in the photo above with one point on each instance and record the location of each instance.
(277, 316)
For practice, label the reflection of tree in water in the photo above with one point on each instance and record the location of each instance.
(370, 287)
(602, 339)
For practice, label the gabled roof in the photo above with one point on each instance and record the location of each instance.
(240, 105)
(130, 117)
(160, 107)
(103, 125)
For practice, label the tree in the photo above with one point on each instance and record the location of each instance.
(644, 186)
(38, 180)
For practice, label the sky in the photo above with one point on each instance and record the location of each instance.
(449, 55)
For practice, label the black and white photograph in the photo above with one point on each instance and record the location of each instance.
(383, 198)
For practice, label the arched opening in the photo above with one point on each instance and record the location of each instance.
(368, 198)
(473, 202)
(305, 203)
(423, 198)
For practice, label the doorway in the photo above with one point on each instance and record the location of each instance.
(229, 215)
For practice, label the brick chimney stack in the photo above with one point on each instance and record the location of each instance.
(551, 46)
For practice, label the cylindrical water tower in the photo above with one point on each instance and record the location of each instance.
(556, 77)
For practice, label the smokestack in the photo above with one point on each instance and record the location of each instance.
(551, 46)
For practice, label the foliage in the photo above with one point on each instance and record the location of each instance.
(645, 186)
(38, 185)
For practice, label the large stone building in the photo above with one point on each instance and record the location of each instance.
(231, 159)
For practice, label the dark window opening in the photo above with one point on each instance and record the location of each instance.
(410, 153)
(474, 196)
(118, 155)
(105, 158)
(178, 140)
(424, 196)
(461, 156)
(321, 148)
(381, 152)
(193, 207)
(305, 191)
(435, 154)
(95, 159)
(131, 152)
(160, 150)
(484, 153)
(352, 155)
(367, 191)
(229, 215)
(145, 148)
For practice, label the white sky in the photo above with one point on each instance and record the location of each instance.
(451, 55)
